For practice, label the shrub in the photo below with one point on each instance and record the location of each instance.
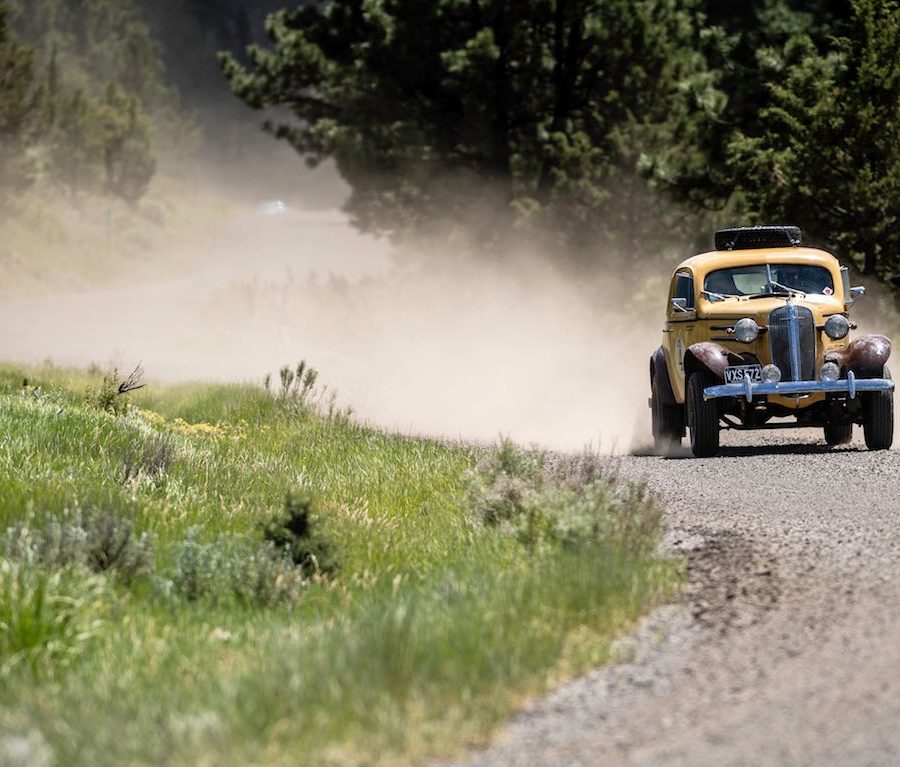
(230, 569)
(97, 539)
(25, 749)
(298, 393)
(505, 483)
(110, 397)
(297, 534)
(565, 501)
(150, 458)
(46, 618)
(298, 384)
(112, 544)
(196, 570)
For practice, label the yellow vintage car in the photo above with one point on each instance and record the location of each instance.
(757, 336)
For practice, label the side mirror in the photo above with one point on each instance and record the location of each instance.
(679, 304)
(857, 292)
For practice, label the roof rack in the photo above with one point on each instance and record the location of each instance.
(753, 237)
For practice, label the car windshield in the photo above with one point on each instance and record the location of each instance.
(764, 279)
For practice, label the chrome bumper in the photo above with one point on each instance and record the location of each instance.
(851, 385)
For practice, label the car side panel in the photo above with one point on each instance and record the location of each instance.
(678, 335)
(680, 338)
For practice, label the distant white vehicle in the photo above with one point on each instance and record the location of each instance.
(273, 207)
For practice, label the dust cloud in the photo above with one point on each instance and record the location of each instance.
(877, 312)
(433, 343)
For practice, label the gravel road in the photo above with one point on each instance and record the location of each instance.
(785, 648)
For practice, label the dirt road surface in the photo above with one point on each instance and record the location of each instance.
(785, 647)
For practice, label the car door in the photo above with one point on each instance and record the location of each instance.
(681, 320)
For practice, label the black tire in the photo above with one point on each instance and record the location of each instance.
(838, 433)
(703, 415)
(878, 418)
(668, 423)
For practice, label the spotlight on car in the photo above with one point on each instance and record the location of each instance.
(837, 326)
(771, 374)
(829, 371)
(746, 330)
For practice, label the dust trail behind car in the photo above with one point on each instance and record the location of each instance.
(430, 342)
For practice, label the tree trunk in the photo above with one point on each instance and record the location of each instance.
(501, 151)
(566, 42)
(871, 261)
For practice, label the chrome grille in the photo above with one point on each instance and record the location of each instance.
(792, 341)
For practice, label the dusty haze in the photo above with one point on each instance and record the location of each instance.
(422, 340)
(430, 343)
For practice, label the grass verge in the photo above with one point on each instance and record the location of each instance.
(221, 575)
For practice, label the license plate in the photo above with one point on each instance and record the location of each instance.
(738, 373)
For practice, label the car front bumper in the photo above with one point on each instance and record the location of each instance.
(849, 385)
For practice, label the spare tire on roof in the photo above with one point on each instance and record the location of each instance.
(752, 237)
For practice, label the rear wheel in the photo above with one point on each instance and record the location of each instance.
(878, 418)
(668, 426)
(838, 433)
(703, 415)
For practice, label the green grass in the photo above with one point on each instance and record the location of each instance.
(433, 628)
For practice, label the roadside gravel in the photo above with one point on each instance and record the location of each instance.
(785, 648)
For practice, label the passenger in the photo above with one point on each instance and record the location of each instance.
(792, 277)
(806, 279)
(818, 281)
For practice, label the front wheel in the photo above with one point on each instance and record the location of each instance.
(703, 415)
(878, 418)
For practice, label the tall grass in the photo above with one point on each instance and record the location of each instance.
(456, 584)
(46, 618)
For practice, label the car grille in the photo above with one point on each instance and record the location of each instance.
(792, 341)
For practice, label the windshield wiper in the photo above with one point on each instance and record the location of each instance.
(788, 288)
(770, 294)
(718, 296)
(783, 290)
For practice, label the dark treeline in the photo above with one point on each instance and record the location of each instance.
(95, 94)
(586, 116)
(622, 123)
(76, 102)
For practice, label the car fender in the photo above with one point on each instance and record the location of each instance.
(866, 356)
(660, 368)
(710, 356)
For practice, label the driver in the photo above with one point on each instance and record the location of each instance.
(722, 282)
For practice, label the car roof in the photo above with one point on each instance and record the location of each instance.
(722, 259)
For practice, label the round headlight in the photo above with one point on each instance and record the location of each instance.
(837, 326)
(829, 371)
(771, 374)
(746, 330)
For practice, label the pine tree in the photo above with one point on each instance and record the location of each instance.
(102, 84)
(124, 140)
(18, 108)
(744, 46)
(430, 107)
(74, 148)
(98, 42)
(828, 158)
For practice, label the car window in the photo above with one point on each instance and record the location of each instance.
(684, 288)
(754, 279)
